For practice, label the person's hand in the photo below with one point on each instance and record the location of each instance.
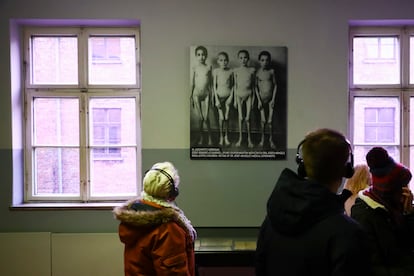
(218, 105)
(407, 200)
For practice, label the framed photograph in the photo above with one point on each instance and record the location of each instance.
(238, 102)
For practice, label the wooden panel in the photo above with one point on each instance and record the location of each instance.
(87, 254)
(25, 254)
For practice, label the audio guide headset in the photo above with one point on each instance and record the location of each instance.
(349, 166)
(173, 189)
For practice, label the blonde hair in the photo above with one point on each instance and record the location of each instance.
(360, 180)
(157, 184)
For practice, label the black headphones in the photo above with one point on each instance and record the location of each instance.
(173, 189)
(349, 166)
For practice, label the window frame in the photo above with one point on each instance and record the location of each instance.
(83, 91)
(403, 90)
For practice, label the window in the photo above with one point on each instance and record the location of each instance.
(379, 49)
(105, 49)
(382, 91)
(106, 131)
(379, 125)
(82, 96)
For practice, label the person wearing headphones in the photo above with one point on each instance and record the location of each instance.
(158, 238)
(306, 231)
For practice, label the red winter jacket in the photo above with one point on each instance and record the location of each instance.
(158, 240)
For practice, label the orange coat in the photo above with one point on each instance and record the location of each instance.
(158, 240)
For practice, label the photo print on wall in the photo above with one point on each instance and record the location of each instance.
(238, 98)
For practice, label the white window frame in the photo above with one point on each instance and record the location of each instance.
(83, 91)
(403, 90)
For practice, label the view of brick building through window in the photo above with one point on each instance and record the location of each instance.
(83, 136)
(381, 92)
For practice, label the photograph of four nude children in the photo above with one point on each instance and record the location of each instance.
(238, 97)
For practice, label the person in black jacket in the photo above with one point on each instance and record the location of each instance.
(385, 210)
(306, 231)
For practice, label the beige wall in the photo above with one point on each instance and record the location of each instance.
(42, 254)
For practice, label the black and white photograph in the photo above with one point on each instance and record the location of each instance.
(238, 102)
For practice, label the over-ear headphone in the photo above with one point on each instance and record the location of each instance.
(349, 166)
(173, 189)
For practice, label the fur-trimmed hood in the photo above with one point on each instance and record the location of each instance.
(147, 215)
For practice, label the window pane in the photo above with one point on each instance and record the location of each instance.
(115, 177)
(376, 60)
(113, 121)
(370, 115)
(411, 122)
(370, 134)
(112, 60)
(376, 123)
(411, 59)
(411, 134)
(54, 60)
(57, 171)
(56, 121)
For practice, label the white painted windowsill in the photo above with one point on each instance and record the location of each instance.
(66, 206)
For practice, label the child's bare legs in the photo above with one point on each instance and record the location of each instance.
(197, 106)
(221, 124)
(248, 103)
(226, 123)
(205, 108)
(269, 122)
(247, 119)
(266, 121)
(263, 124)
(202, 107)
(239, 106)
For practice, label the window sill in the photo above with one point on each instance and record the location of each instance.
(65, 206)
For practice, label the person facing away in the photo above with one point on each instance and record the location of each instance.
(266, 93)
(358, 182)
(158, 238)
(305, 231)
(223, 94)
(201, 85)
(244, 94)
(385, 210)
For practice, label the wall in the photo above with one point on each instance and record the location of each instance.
(213, 193)
(89, 254)
(43, 253)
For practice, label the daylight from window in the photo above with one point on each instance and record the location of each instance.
(381, 92)
(83, 125)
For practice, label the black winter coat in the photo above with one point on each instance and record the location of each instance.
(306, 232)
(392, 246)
